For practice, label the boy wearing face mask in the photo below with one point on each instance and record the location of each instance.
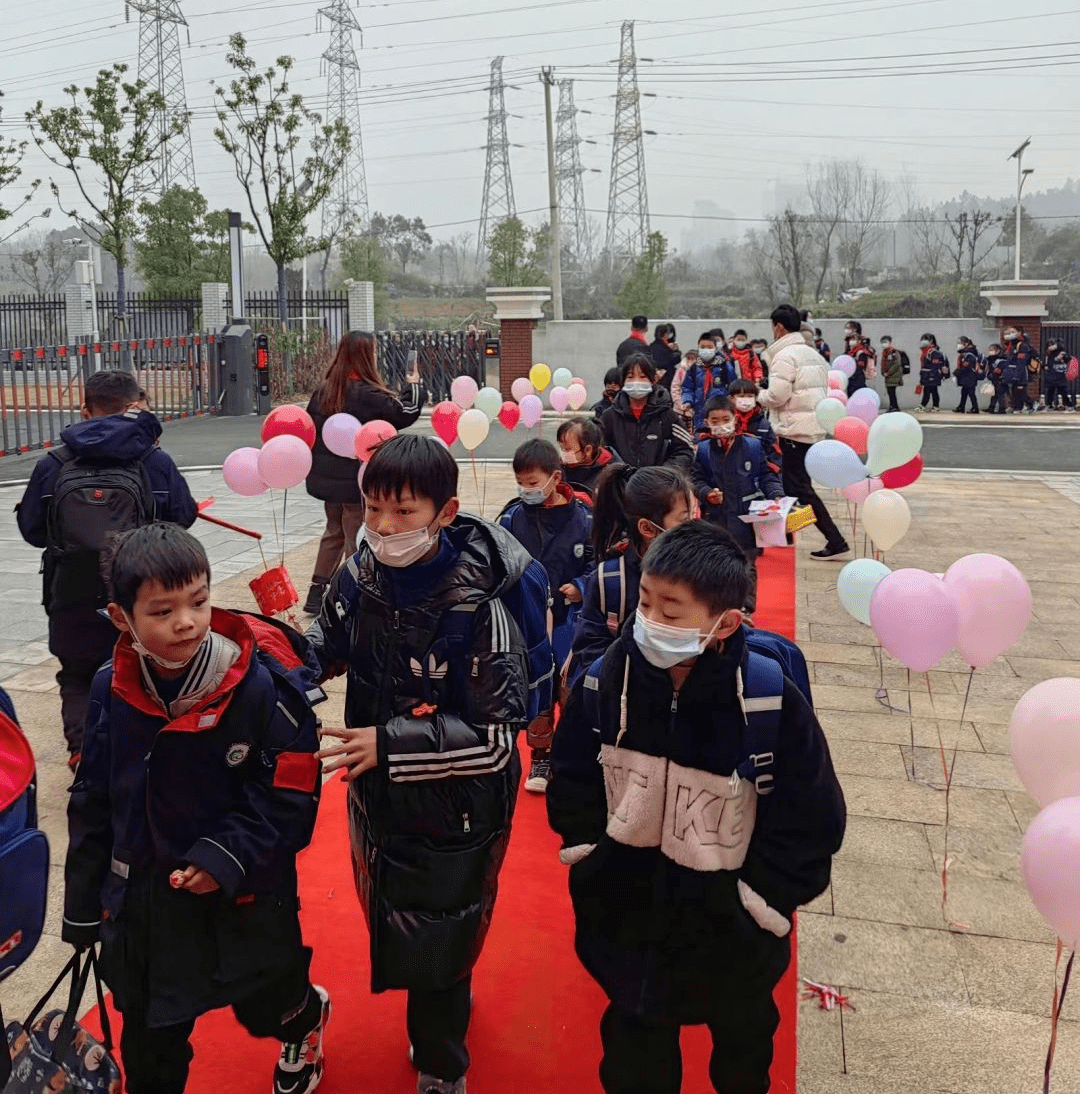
(750, 418)
(995, 371)
(730, 471)
(440, 621)
(686, 860)
(742, 356)
(933, 369)
(710, 375)
(554, 525)
(612, 387)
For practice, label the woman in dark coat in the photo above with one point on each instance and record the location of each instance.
(352, 386)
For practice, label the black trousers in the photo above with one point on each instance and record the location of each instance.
(645, 1058)
(891, 390)
(1020, 397)
(967, 393)
(931, 391)
(156, 1061)
(75, 677)
(1054, 390)
(437, 1022)
(797, 484)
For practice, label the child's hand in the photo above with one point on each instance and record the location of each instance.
(571, 592)
(715, 497)
(194, 881)
(358, 754)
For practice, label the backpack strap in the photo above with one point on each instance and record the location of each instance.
(612, 586)
(762, 699)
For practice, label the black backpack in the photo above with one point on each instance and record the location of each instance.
(92, 501)
(905, 363)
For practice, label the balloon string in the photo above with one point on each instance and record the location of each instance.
(284, 516)
(1055, 1011)
(911, 724)
(273, 513)
(476, 478)
(948, 769)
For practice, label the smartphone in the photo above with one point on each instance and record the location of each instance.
(411, 360)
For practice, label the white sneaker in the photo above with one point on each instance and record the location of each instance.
(300, 1066)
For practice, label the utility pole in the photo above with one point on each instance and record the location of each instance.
(1021, 178)
(160, 67)
(628, 201)
(498, 200)
(547, 78)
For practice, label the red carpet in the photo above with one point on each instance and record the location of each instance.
(536, 1018)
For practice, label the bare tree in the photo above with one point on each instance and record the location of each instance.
(43, 263)
(792, 237)
(869, 196)
(763, 262)
(829, 191)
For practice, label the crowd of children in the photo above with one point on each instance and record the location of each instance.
(612, 596)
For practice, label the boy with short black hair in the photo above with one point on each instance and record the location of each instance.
(440, 621)
(713, 814)
(555, 526)
(751, 418)
(613, 381)
(114, 450)
(198, 786)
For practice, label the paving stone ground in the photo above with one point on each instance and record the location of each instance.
(937, 1009)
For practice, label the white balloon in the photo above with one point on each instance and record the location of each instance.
(855, 585)
(894, 439)
(472, 429)
(886, 518)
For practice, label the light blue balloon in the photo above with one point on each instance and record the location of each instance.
(490, 401)
(833, 463)
(855, 585)
(562, 377)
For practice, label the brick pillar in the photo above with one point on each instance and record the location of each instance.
(1020, 304)
(517, 310)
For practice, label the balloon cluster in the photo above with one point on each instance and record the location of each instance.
(981, 606)
(467, 415)
(283, 461)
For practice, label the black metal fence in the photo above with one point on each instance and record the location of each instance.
(41, 388)
(32, 320)
(440, 355)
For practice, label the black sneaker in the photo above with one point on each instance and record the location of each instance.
(831, 552)
(539, 771)
(300, 1066)
(313, 604)
(428, 1084)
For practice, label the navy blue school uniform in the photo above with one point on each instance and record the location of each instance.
(756, 424)
(703, 381)
(559, 537)
(741, 470)
(683, 876)
(995, 372)
(227, 781)
(1057, 381)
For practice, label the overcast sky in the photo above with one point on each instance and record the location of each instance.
(740, 94)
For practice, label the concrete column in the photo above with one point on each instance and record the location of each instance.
(1020, 304)
(215, 315)
(361, 305)
(517, 311)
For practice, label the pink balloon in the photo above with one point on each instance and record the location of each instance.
(994, 604)
(371, 435)
(559, 399)
(852, 432)
(864, 405)
(834, 383)
(463, 391)
(521, 388)
(444, 420)
(1044, 740)
(531, 410)
(360, 476)
(836, 393)
(339, 435)
(284, 462)
(858, 492)
(845, 363)
(241, 473)
(1048, 858)
(578, 380)
(914, 618)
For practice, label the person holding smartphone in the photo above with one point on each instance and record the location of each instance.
(353, 385)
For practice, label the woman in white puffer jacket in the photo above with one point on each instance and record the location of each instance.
(798, 381)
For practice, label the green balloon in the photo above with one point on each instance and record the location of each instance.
(490, 401)
(829, 413)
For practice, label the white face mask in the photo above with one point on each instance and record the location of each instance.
(745, 402)
(740, 345)
(724, 430)
(706, 354)
(637, 389)
(924, 343)
(402, 548)
(161, 662)
(666, 646)
(571, 459)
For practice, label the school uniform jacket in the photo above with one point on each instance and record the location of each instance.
(687, 874)
(741, 471)
(227, 781)
(657, 437)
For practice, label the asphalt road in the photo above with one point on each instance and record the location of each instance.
(1023, 445)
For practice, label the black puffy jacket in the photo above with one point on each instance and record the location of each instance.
(334, 478)
(431, 822)
(657, 437)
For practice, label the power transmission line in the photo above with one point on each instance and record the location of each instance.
(161, 69)
(628, 200)
(498, 200)
(347, 204)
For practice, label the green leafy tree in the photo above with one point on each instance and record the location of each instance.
(644, 291)
(104, 136)
(516, 254)
(362, 259)
(183, 243)
(263, 126)
(11, 156)
(404, 239)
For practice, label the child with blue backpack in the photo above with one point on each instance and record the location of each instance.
(711, 374)
(554, 525)
(713, 814)
(440, 623)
